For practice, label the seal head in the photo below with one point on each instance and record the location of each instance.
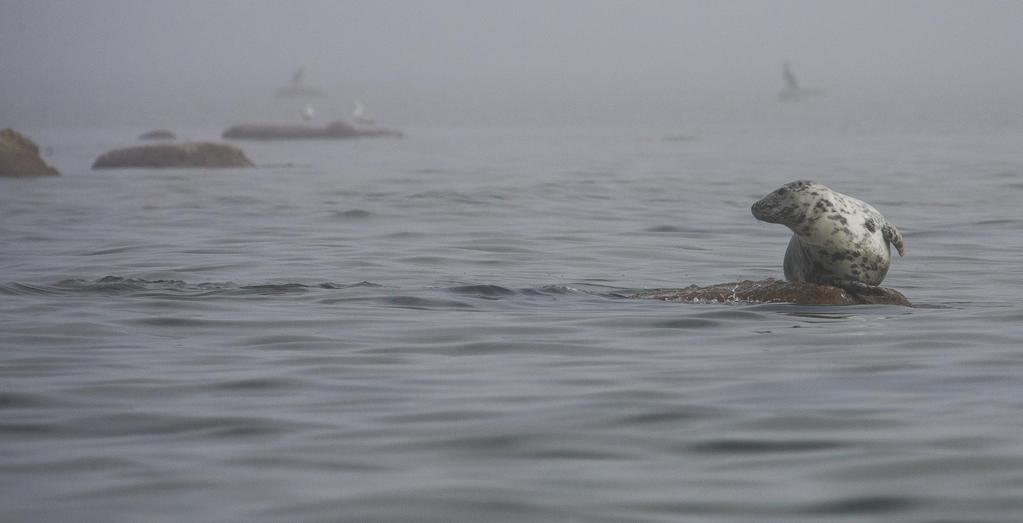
(836, 239)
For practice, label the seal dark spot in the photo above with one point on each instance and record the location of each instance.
(869, 224)
(824, 206)
(838, 256)
(839, 218)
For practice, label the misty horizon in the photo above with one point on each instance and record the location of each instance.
(455, 62)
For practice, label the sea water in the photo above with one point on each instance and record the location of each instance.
(433, 329)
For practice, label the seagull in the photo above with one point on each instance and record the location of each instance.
(360, 115)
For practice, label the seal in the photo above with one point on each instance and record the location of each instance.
(837, 240)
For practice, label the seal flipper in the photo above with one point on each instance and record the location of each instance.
(858, 287)
(852, 286)
(894, 237)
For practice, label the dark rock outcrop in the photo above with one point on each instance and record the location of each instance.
(158, 134)
(775, 291)
(183, 155)
(334, 130)
(19, 156)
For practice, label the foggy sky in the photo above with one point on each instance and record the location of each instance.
(207, 61)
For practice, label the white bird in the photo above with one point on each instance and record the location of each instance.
(359, 115)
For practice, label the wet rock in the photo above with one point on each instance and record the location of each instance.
(775, 291)
(158, 134)
(183, 155)
(19, 157)
(334, 130)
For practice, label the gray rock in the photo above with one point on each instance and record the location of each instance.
(158, 134)
(334, 130)
(182, 155)
(775, 291)
(19, 157)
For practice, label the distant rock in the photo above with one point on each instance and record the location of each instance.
(158, 134)
(334, 130)
(19, 156)
(182, 155)
(775, 291)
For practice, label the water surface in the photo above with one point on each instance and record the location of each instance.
(431, 329)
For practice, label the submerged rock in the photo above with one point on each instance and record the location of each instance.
(334, 130)
(158, 134)
(775, 291)
(183, 155)
(19, 156)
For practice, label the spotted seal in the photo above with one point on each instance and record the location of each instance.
(837, 240)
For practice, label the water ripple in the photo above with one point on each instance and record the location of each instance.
(121, 286)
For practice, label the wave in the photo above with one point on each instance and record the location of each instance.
(121, 286)
(455, 296)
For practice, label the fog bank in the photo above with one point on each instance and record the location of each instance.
(484, 62)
